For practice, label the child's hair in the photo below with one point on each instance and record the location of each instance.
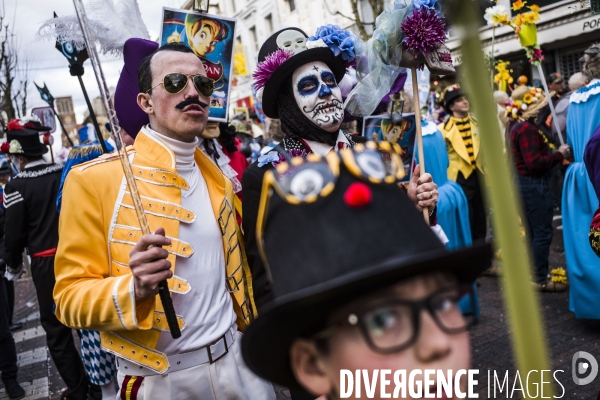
(221, 29)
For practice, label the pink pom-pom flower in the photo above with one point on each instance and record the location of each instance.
(265, 69)
(424, 31)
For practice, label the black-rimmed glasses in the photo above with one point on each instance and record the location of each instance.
(393, 326)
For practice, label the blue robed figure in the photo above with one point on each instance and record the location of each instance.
(579, 202)
(452, 206)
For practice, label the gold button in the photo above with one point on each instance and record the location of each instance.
(132, 351)
(164, 177)
(157, 319)
(118, 270)
(188, 215)
(176, 211)
(122, 347)
(111, 342)
(164, 208)
(149, 205)
(179, 285)
(174, 179)
(130, 234)
(140, 173)
(158, 363)
(145, 355)
(151, 175)
(183, 249)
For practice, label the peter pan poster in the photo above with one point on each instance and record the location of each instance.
(211, 38)
(381, 128)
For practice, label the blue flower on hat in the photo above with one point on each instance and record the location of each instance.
(339, 40)
(424, 3)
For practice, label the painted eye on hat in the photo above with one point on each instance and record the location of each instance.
(306, 183)
(371, 164)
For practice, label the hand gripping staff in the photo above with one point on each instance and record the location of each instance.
(163, 289)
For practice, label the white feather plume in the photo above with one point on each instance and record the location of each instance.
(112, 22)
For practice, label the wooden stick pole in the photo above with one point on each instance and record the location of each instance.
(417, 103)
(550, 104)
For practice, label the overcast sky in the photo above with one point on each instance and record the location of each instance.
(46, 64)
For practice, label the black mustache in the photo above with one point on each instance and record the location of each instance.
(190, 101)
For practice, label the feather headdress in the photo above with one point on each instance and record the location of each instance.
(113, 21)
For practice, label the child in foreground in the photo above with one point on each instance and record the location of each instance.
(360, 281)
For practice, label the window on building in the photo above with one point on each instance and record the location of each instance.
(292, 4)
(254, 38)
(63, 107)
(269, 24)
(569, 62)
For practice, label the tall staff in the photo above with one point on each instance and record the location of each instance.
(423, 44)
(165, 296)
(522, 305)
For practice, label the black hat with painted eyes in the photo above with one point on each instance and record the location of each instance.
(273, 69)
(333, 232)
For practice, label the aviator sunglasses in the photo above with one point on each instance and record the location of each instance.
(175, 83)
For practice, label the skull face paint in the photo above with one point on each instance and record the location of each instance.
(318, 95)
(291, 40)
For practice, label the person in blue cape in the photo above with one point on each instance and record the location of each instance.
(579, 197)
(88, 150)
(452, 207)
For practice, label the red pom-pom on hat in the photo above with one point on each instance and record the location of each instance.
(15, 125)
(358, 195)
(5, 148)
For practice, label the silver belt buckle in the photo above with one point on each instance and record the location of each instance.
(210, 357)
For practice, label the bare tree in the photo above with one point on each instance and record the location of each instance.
(377, 6)
(13, 85)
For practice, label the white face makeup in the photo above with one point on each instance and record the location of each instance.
(291, 40)
(318, 95)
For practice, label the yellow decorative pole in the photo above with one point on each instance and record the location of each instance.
(521, 302)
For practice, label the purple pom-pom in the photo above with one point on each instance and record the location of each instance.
(424, 31)
(265, 69)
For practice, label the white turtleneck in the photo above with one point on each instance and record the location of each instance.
(207, 309)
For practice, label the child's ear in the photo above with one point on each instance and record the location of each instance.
(309, 368)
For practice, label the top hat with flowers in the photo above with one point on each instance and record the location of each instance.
(525, 102)
(23, 137)
(286, 50)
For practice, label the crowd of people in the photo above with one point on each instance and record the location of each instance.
(289, 257)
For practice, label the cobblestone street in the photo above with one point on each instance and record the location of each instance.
(490, 340)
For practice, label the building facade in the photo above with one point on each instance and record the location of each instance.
(64, 109)
(565, 30)
(100, 113)
(259, 19)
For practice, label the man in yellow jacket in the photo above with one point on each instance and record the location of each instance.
(108, 273)
(462, 140)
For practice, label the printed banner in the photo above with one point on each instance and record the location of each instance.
(211, 37)
(380, 127)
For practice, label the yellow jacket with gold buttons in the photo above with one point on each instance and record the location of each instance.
(457, 151)
(97, 229)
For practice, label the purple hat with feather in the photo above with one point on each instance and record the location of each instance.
(130, 115)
